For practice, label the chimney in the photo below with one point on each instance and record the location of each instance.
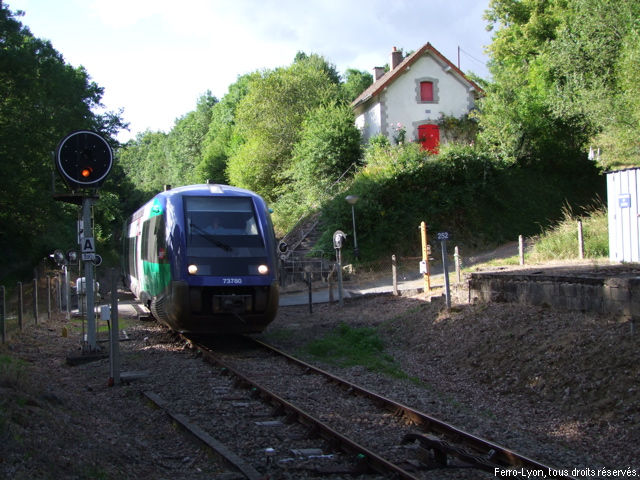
(377, 73)
(396, 58)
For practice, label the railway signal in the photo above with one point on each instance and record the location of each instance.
(84, 159)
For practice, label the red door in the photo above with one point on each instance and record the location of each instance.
(429, 137)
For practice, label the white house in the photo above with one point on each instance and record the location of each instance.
(413, 95)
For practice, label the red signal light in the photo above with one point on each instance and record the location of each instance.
(83, 159)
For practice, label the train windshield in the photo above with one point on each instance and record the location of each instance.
(223, 236)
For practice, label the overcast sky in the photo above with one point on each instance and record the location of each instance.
(155, 58)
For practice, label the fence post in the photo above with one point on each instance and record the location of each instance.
(521, 249)
(330, 283)
(456, 256)
(114, 333)
(20, 307)
(580, 241)
(3, 325)
(394, 274)
(48, 298)
(59, 290)
(35, 300)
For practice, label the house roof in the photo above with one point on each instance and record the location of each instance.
(376, 87)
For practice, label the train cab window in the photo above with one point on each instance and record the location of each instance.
(223, 235)
(227, 216)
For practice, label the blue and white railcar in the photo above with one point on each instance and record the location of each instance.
(203, 258)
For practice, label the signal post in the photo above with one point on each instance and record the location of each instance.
(84, 159)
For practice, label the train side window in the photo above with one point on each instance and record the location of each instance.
(153, 240)
(144, 240)
(131, 257)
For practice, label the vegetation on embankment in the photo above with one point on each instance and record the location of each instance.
(470, 194)
(560, 241)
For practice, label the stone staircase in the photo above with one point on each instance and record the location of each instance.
(297, 263)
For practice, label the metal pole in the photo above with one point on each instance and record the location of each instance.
(48, 298)
(59, 291)
(114, 334)
(445, 268)
(339, 258)
(580, 241)
(394, 274)
(67, 292)
(3, 325)
(425, 256)
(521, 249)
(356, 252)
(20, 306)
(35, 301)
(308, 279)
(88, 276)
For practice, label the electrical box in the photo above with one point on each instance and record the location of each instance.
(622, 203)
(423, 267)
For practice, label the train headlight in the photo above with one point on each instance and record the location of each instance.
(263, 269)
(192, 269)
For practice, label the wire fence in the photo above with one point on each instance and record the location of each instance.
(33, 302)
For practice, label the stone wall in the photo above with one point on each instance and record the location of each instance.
(616, 292)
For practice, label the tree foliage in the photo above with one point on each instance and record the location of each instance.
(356, 82)
(269, 118)
(42, 99)
(561, 72)
(285, 133)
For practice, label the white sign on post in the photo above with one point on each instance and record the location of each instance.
(88, 249)
(88, 246)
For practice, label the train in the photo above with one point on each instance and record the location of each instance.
(204, 259)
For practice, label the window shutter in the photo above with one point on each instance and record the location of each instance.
(426, 91)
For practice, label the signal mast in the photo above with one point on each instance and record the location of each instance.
(84, 159)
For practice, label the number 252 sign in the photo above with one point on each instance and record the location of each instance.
(443, 236)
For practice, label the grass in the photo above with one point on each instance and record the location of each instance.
(75, 325)
(11, 370)
(346, 346)
(561, 241)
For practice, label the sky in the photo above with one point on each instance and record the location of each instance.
(156, 58)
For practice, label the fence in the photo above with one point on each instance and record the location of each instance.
(30, 303)
(397, 269)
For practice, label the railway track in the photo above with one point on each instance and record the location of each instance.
(345, 429)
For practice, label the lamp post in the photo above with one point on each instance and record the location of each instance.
(352, 200)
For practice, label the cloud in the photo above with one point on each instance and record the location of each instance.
(154, 58)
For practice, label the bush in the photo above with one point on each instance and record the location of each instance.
(474, 196)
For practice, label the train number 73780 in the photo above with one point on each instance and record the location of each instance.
(231, 281)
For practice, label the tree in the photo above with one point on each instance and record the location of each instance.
(559, 70)
(221, 140)
(42, 99)
(329, 144)
(269, 119)
(590, 63)
(144, 161)
(356, 82)
(185, 142)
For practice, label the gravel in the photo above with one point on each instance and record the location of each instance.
(559, 387)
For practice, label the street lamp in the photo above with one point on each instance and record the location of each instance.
(352, 199)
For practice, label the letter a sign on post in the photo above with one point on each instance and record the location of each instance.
(88, 249)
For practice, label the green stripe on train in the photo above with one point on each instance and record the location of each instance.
(157, 277)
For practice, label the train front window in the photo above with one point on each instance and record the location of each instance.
(223, 237)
